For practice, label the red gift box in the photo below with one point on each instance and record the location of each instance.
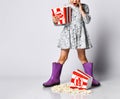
(64, 13)
(80, 80)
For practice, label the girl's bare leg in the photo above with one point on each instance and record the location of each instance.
(63, 56)
(82, 55)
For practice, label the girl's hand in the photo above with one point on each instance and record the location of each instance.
(55, 19)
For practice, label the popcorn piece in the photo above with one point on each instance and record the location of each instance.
(65, 88)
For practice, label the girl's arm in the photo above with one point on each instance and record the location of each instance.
(86, 16)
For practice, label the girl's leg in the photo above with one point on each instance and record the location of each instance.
(56, 69)
(63, 56)
(82, 55)
(88, 66)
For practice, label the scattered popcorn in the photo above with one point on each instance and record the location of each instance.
(65, 88)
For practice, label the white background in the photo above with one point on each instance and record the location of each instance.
(28, 38)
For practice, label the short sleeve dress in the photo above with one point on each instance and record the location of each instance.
(74, 35)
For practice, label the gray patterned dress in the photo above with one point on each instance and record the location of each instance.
(74, 35)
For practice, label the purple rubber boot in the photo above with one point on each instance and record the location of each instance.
(55, 76)
(88, 68)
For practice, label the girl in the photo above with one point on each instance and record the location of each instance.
(73, 36)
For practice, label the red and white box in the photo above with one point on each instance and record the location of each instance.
(80, 80)
(64, 13)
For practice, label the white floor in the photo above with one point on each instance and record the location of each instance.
(31, 88)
